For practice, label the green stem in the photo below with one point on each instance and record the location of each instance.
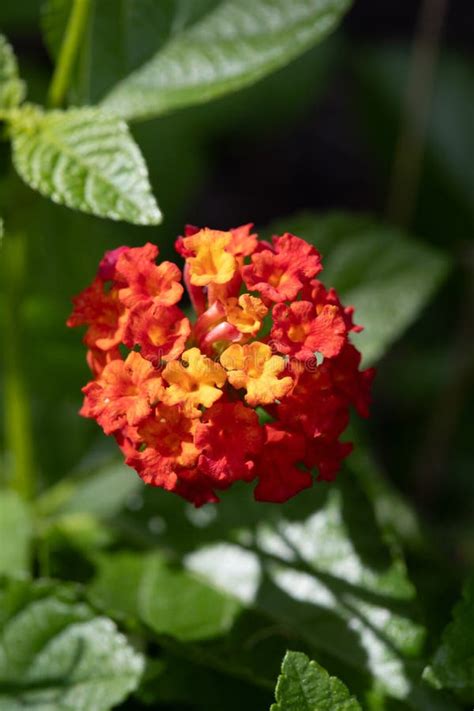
(18, 429)
(406, 171)
(67, 55)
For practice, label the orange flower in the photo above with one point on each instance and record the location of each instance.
(243, 242)
(195, 383)
(179, 417)
(230, 437)
(102, 312)
(160, 331)
(124, 394)
(169, 432)
(301, 329)
(212, 264)
(254, 368)
(279, 272)
(97, 359)
(246, 313)
(142, 280)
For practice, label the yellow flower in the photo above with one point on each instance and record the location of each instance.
(195, 383)
(254, 368)
(246, 313)
(212, 264)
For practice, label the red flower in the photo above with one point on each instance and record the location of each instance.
(299, 330)
(160, 331)
(124, 394)
(315, 410)
(326, 456)
(320, 296)
(165, 442)
(143, 280)
(351, 382)
(279, 478)
(103, 313)
(108, 262)
(281, 271)
(97, 359)
(229, 437)
(185, 404)
(243, 241)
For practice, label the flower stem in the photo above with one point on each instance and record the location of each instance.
(406, 171)
(67, 55)
(18, 429)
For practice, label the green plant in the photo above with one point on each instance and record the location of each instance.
(115, 593)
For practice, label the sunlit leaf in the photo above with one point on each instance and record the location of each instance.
(230, 45)
(12, 88)
(315, 567)
(305, 686)
(452, 666)
(86, 160)
(57, 655)
(170, 601)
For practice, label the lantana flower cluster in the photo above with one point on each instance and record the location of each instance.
(256, 386)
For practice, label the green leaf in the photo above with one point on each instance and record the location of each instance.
(12, 88)
(85, 159)
(16, 531)
(170, 601)
(452, 666)
(233, 44)
(316, 568)
(54, 17)
(385, 274)
(120, 37)
(319, 568)
(305, 686)
(57, 655)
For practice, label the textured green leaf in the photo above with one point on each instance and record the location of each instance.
(170, 601)
(12, 88)
(57, 655)
(121, 36)
(16, 531)
(452, 666)
(305, 686)
(315, 567)
(234, 44)
(84, 159)
(323, 572)
(386, 275)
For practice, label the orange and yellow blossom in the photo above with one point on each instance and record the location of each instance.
(254, 368)
(246, 313)
(177, 415)
(197, 382)
(212, 264)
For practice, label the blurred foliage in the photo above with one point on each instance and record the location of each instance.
(360, 576)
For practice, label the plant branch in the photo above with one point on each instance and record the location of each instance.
(18, 435)
(67, 55)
